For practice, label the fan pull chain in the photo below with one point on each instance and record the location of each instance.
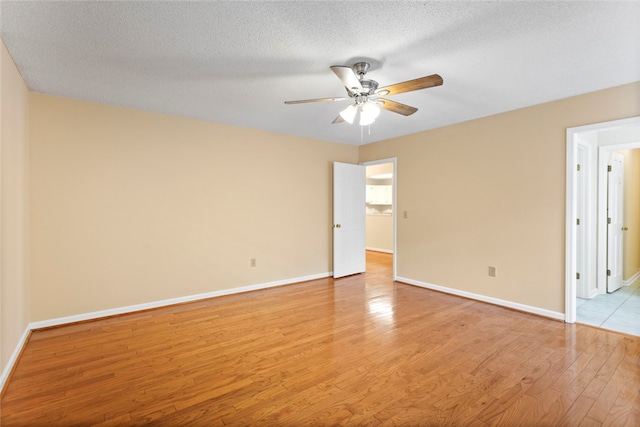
(362, 133)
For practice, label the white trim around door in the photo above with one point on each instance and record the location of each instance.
(599, 139)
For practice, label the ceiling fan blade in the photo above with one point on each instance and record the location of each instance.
(338, 119)
(396, 107)
(408, 86)
(348, 77)
(303, 101)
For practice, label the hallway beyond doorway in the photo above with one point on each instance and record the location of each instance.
(618, 311)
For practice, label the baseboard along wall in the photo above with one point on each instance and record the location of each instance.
(163, 303)
(632, 279)
(496, 301)
(386, 251)
(6, 372)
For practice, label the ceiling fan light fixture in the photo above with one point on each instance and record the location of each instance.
(349, 113)
(369, 112)
(366, 96)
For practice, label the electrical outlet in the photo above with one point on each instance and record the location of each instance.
(492, 271)
(253, 262)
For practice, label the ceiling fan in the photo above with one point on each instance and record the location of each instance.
(367, 97)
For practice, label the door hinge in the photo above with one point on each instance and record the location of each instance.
(578, 221)
(608, 168)
(608, 272)
(608, 220)
(578, 167)
(578, 276)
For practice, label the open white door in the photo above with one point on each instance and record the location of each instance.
(349, 253)
(615, 221)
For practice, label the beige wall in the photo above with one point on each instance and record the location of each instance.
(379, 232)
(631, 212)
(131, 207)
(14, 286)
(491, 192)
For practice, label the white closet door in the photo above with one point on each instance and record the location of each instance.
(615, 219)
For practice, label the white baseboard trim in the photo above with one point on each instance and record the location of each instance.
(631, 279)
(386, 251)
(509, 304)
(156, 304)
(14, 358)
(146, 306)
(138, 307)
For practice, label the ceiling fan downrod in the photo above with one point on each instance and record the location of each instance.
(361, 68)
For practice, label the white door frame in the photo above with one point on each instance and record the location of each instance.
(574, 138)
(394, 206)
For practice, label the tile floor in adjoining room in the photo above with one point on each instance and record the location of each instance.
(619, 311)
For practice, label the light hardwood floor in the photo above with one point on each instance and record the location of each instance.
(361, 350)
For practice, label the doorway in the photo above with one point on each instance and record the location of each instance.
(380, 205)
(589, 152)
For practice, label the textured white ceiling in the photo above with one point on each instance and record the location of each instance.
(237, 62)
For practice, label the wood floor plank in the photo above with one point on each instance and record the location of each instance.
(361, 350)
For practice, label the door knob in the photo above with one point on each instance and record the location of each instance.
(625, 228)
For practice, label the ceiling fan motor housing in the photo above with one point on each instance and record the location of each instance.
(368, 89)
(368, 86)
